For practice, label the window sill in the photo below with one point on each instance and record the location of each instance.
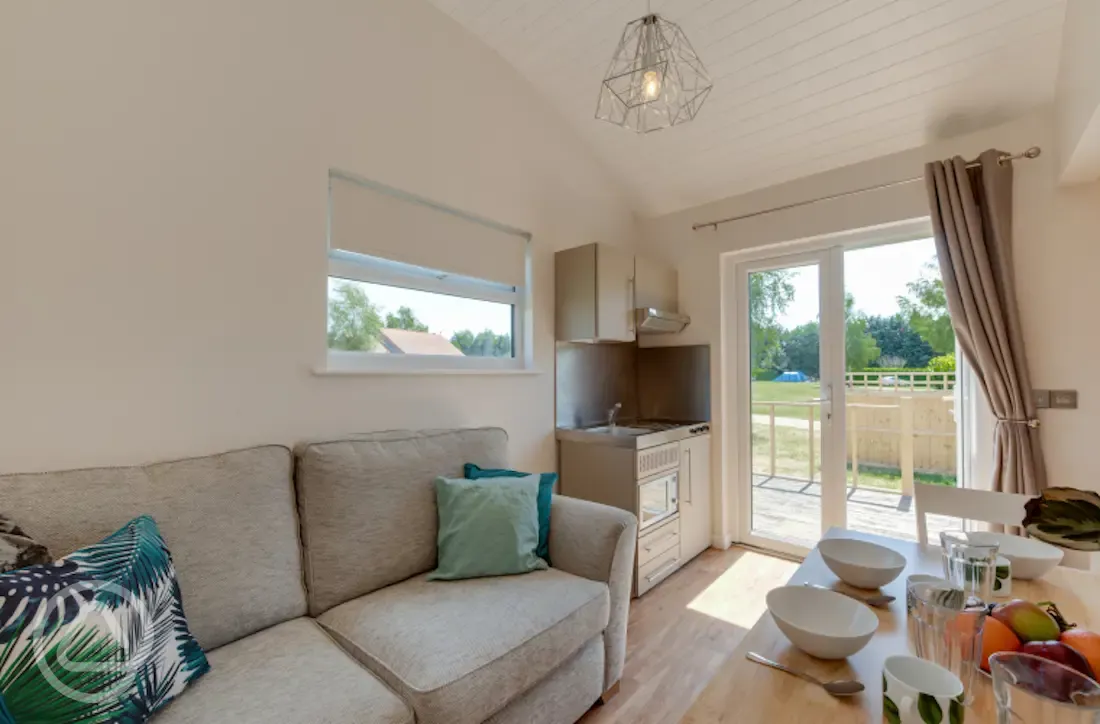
(348, 372)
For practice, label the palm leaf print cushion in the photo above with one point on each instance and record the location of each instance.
(98, 636)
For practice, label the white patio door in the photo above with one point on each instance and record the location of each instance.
(789, 416)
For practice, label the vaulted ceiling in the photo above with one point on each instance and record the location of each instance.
(800, 86)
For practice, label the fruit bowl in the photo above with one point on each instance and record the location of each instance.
(1030, 558)
(1048, 690)
(859, 563)
(1039, 630)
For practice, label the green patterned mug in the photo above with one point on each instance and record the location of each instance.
(915, 691)
(1002, 581)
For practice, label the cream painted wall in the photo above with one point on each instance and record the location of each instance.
(1077, 105)
(1057, 248)
(162, 218)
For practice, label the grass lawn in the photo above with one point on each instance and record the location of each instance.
(792, 459)
(786, 392)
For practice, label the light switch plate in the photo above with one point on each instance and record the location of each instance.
(1042, 398)
(1063, 399)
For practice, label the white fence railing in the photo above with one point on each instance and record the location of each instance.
(912, 381)
(907, 431)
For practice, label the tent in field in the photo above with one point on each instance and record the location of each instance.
(792, 377)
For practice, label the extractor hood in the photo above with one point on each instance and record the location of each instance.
(659, 321)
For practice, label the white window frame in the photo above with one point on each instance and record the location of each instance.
(374, 270)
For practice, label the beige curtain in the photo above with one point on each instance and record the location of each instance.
(972, 220)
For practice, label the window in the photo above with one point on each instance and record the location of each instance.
(383, 313)
(394, 309)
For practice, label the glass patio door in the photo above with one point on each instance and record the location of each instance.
(789, 379)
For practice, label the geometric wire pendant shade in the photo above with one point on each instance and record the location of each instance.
(655, 79)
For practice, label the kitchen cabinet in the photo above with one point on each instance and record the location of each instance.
(695, 496)
(597, 287)
(594, 294)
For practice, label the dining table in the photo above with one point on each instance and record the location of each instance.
(747, 692)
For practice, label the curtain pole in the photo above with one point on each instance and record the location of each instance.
(1032, 152)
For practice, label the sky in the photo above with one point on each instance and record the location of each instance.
(443, 314)
(875, 276)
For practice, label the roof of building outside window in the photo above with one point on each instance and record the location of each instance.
(404, 341)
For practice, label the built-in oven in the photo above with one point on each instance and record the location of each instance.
(658, 499)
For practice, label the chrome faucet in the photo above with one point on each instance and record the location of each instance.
(613, 413)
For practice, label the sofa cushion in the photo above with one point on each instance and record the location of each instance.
(114, 608)
(547, 481)
(459, 651)
(292, 672)
(367, 505)
(565, 695)
(228, 519)
(487, 529)
(17, 549)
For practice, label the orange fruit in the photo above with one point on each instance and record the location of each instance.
(1086, 643)
(965, 625)
(996, 637)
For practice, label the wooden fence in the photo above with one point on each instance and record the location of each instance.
(907, 430)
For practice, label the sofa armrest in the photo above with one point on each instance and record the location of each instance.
(598, 542)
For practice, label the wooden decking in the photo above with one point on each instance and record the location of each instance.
(790, 509)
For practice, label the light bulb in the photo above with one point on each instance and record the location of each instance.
(651, 84)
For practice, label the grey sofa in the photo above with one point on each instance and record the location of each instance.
(304, 579)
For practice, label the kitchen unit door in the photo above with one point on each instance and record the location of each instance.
(594, 289)
(695, 496)
(614, 293)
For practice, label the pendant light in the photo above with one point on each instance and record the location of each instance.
(655, 79)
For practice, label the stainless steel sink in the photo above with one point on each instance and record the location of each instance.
(635, 434)
(619, 430)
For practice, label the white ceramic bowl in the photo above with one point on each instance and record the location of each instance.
(1030, 558)
(824, 624)
(861, 564)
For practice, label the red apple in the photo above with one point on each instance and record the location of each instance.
(1054, 682)
(1059, 653)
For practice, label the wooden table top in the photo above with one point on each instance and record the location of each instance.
(748, 693)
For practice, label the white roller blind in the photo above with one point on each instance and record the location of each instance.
(377, 221)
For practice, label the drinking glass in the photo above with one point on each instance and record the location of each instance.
(1032, 690)
(969, 565)
(943, 630)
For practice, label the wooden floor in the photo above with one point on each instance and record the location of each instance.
(790, 509)
(682, 631)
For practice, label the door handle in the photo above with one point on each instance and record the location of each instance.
(662, 570)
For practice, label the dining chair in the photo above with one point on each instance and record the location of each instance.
(986, 506)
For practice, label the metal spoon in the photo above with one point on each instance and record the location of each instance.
(881, 600)
(836, 688)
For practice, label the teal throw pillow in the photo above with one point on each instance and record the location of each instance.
(487, 529)
(546, 490)
(98, 636)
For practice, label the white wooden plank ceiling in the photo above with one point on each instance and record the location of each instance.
(800, 86)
